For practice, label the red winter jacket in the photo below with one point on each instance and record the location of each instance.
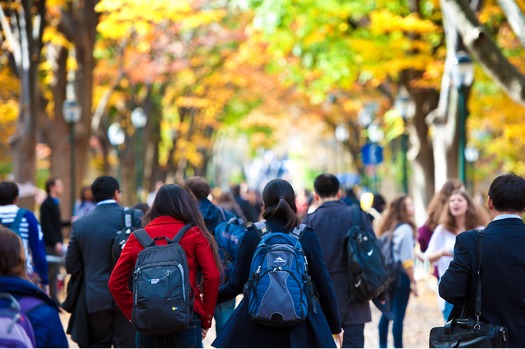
(198, 253)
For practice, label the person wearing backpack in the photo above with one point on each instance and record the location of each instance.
(89, 252)
(41, 311)
(172, 210)
(321, 320)
(397, 228)
(332, 221)
(25, 224)
(213, 216)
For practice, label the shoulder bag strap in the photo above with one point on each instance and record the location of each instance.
(356, 215)
(144, 238)
(127, 217)
(477, 309)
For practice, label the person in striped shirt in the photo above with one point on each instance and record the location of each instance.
(29, 230)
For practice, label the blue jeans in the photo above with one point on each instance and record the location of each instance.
(223, 311)
(191, 337)
(399, 299)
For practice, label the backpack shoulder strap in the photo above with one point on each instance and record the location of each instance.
(181, 233)
(356, 215)
(298, 231)
(223, 215)
(29, 303)
(261, 228)
(144, 238)
(15, 226)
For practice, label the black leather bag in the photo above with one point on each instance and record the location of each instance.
(470, 332)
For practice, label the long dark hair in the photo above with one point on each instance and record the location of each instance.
(279, 202)
(177, 202)
(12, 254)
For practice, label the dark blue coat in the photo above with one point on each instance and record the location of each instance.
(316, 331)
(331, 222)
(44, 318)
(502, 276)
(212, 214)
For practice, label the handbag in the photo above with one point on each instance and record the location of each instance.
(470, 332)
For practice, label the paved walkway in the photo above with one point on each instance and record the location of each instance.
(422, 314)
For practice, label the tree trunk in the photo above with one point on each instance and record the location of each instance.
(27, 58)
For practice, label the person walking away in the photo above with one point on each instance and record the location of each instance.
(212, 215)
(52, 224)
(89, 252)
(248, 210)
(502, 263)
(39, 308)
(172, 209)
(227, 202)
(398, 221)
(331, 221)
(322, 319)
(458, 216)
(29, 230)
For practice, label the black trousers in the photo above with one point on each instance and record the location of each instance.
(111, 328)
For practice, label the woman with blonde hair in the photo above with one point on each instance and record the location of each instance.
(398, 224)
(459, 215)
(39, 308)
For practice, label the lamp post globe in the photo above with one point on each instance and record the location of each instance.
(138, 118)
(71, 112)
(116, 136)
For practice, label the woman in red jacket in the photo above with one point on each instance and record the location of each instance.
(173, 208)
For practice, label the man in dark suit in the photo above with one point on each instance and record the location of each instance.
(90, 251)
(503, 263)
(51, 222)
(331, 221)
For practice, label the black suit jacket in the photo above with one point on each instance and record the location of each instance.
(90, 250)
(502, 276)
(50, 222)
(331, 222)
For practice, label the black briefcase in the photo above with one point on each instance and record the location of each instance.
(468, 333)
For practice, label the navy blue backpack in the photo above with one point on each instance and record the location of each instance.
(279, 288)
(229, 235)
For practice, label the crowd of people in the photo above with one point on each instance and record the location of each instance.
(102, 299)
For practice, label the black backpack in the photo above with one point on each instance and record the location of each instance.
(367, 274)
(122, 236)
(162, 297)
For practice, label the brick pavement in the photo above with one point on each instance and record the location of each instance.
(422, 314)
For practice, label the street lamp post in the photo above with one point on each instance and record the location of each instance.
(401, 104)
(116, 137)
(462, 76)
(139, 120)
(341, 134)
(471, 155)
(71, 112)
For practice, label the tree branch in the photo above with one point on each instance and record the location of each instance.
(515, 18)
(489, 55)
